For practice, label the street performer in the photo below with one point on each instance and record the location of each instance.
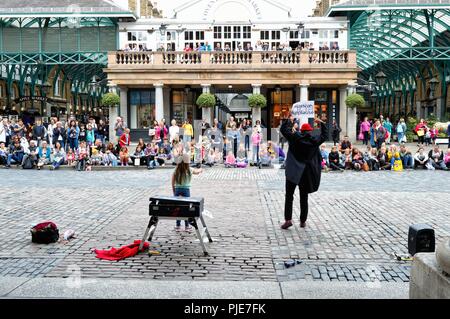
(303, 165)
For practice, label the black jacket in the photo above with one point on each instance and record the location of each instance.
(39, 131)
(303, 161)
(57, 132)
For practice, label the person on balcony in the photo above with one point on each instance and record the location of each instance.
(218, 47)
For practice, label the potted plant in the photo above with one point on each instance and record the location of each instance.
(206, 100)
(257, 100)
(354, 101)
(110, 100)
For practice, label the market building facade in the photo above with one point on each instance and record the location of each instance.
(231, 49)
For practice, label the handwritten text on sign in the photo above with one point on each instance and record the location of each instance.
(303, 111)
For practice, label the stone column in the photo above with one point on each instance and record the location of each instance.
(351, 117)
(113, 114)
(418, 110)
(207, 111)
(159, 101)
(343, 111)
(123, 112)
(256, 111)
(304, 92)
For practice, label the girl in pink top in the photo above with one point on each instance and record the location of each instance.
(365, 128)
(230, 160)
(256, 141)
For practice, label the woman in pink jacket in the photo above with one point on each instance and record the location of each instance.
(161, 133)
(256, 141)
(364, 129)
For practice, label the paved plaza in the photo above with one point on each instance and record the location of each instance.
(357, 222)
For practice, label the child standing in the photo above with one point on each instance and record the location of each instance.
(181, 183)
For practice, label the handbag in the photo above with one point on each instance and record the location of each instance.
(420, 132)
(361, 136)
(365, 167)
(44, 233)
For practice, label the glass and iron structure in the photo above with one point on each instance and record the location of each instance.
(404, 46)
(52, 55)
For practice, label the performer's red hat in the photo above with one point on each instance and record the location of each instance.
(306, 127)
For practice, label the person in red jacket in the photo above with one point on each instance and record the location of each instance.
(125, 138)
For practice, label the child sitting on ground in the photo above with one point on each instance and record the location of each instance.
(264, 157)
(447, 159)
(396, 162)
(82, 156)
(334, 159)
(181, 183)
(210, 158)
(348, 164)
(230, 160)
(123, 156)
(70, 157)
(241, 160)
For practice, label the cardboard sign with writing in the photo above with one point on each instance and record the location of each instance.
(303, 111)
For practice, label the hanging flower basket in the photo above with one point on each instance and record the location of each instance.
(257, 100)
(110, 100)
(206, 100)
(355, 101)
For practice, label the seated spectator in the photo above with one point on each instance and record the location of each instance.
(150, 153)
(241, 160)
(137, 156)
(3, 154)
(264, 157)
(334, 159)
(124, 156)
(357, 159)
(348, 164)
(82, 156)
(15, 153)
(345, 144)
(391, 152)
(324, 154)
(366, 154)
(420, 158)
(210, 158)
(31, 154)
(385, 165)
(396, 162)
(372, 161)
(96, 157)
(44, 154)
(436, 159)
(230, 160)
(407, 158)
(70, 157)
(58, 157)
(447, 159)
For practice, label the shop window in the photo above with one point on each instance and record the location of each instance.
(276, 35)
(237, 32)
(144, 103)
(183, 106)
(189, 35)
(281, 105)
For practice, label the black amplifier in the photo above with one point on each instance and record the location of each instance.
(420, 239)
(171, 206)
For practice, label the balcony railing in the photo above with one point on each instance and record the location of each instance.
(299, 59)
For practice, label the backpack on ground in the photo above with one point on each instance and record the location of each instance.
(44, 233)
(28, 163)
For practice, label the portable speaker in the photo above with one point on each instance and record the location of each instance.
(420, 239)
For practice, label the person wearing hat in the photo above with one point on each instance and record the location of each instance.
(303, 165)
(181, 182)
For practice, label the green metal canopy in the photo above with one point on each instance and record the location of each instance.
(73, 36)
(400, 38)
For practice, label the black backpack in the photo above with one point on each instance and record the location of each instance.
(44, 233)
(28, 163)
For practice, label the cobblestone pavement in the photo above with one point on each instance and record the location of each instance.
(356, 222)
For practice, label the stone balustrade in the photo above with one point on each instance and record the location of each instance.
(255, 59)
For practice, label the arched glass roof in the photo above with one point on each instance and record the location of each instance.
(398, 36)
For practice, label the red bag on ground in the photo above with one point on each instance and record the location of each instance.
(121, 253)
